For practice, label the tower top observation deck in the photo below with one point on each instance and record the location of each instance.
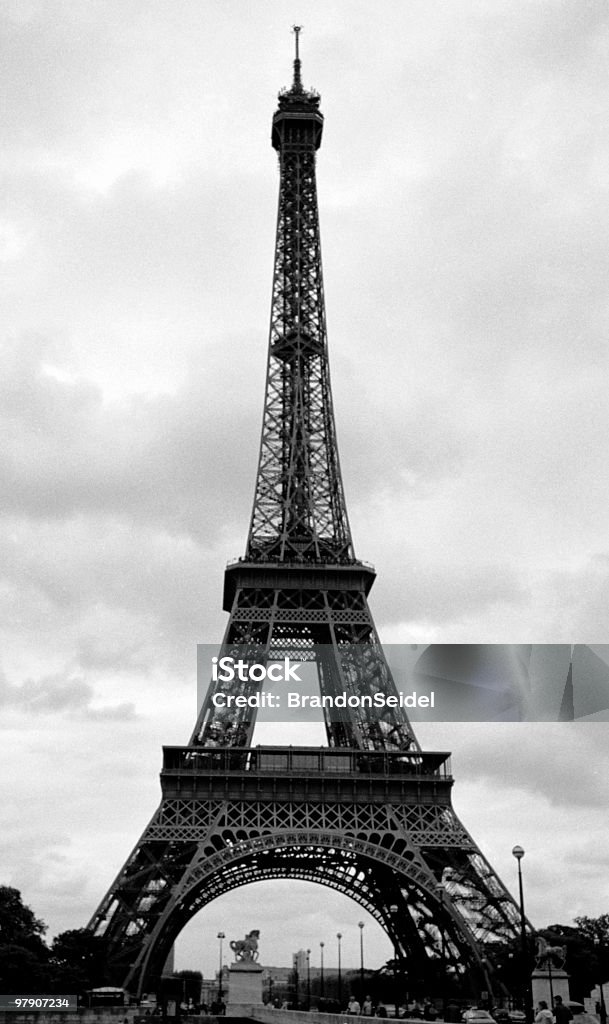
(298, 120)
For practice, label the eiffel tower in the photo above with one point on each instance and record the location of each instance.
(369, 815)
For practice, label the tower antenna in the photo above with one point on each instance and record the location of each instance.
(297, 84)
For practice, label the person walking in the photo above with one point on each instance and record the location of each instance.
(543, 1015)
(562, 1013)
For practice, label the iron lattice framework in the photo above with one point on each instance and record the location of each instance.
(369, 816)
(299, 589)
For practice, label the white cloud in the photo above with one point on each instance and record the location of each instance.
(59, 694)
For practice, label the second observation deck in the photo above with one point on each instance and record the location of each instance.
(307, 772)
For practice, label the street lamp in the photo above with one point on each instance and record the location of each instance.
(220, 936)
(518, 853)
(599, 949)
(549, 962)
(440, 890)
(340, 977)
(321, 979)
(295, 962)
(360, 925)
(393, 909)
(308, 979)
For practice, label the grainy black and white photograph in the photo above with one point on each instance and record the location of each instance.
(304, 373)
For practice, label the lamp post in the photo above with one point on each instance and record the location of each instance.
(440, 888)
(393, 909)
(518, 853)
(360, 925)
(308, 979)
(340, 976)
(295, 963)
(220, 936)
(321, 978)
(599, 949)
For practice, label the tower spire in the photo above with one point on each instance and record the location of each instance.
(297, 83)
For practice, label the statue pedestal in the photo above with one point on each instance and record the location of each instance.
(540, 984)
(244, 988)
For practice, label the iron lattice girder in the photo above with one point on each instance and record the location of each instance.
(299, 509)
(378, 828)
(321, 613)
(282, 597)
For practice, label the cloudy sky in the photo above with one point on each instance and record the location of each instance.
(463, 182)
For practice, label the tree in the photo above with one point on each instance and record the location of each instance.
(595, 931)
(78, 961)
(18, 926)
(23, 953)
(22, 971)
(584, 962)
(594, 928)
(504, 965)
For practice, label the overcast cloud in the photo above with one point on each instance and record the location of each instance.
(463, 194)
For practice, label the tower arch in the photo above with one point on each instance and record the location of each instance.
(346, 864)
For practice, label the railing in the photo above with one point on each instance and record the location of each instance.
(353, 563)
(306, 761)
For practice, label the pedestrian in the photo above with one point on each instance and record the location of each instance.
(562, 1013)
(543, 1015)
(367, 1008)
(353, 1007)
